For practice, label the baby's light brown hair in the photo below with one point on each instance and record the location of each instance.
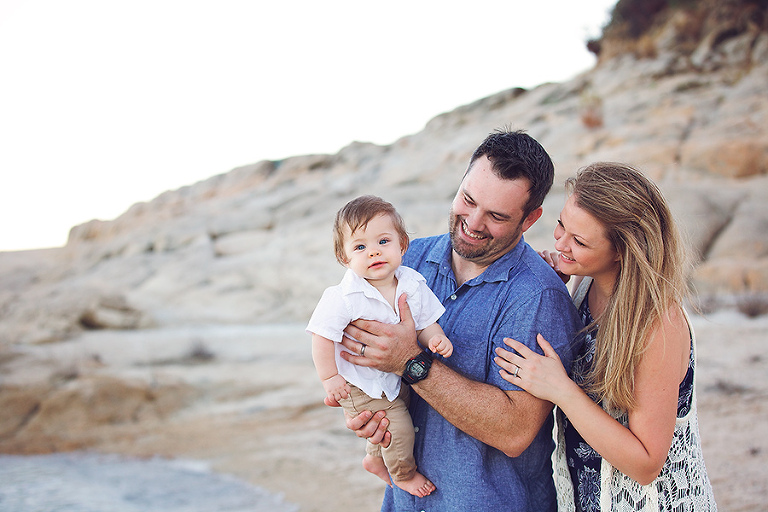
(357, 214)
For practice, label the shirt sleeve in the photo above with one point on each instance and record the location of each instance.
(549, 313)
(331, 315)
(430, 310)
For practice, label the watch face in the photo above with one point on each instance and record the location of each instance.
(418, 369)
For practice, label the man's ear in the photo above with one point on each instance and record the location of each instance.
(532, 217)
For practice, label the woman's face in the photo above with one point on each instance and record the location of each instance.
(583, 245)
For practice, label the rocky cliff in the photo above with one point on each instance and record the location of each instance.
(682, 95)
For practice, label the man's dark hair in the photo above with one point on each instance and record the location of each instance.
(514, 155)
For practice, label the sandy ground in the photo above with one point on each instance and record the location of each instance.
(258, 413)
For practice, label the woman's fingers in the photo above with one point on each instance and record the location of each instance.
(518, 347)
(546, 347)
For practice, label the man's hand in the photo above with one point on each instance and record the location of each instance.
(387, 346)
(367, 425)
(372, 427)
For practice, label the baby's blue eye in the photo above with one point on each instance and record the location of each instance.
(360, 247)
(383, 241)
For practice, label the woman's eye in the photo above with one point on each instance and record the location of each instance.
(579, 242)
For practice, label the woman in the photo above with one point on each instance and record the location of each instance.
(627, 428)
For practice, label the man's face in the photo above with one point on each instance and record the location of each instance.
(486, 218)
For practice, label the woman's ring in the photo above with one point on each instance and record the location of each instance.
(517, 369)
(362, 350)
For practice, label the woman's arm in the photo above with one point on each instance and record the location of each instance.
(640, 450)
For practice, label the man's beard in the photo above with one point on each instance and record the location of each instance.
(491, 249)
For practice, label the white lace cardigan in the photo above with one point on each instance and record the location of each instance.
(682, 484)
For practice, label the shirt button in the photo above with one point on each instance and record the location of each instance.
(415, 429)
(453, 297)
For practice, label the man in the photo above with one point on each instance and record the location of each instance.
(485, 443)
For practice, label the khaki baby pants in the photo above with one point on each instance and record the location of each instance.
(398, 456)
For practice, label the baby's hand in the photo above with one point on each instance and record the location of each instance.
(441, 344)
(336, 387)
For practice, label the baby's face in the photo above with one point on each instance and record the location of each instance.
(374, 252)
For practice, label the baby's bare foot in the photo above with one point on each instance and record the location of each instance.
(419, 485)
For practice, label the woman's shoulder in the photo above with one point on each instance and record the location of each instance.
(674, 322)
(670, 340)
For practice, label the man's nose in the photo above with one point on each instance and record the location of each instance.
(474, 221)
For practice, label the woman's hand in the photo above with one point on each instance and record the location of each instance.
(542, 376)
(552, 257)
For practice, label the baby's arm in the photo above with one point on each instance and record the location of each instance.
(324, 356)
(434, 338)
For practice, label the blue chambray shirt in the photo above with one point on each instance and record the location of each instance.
(518, 296)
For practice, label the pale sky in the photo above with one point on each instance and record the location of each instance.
(105, 103)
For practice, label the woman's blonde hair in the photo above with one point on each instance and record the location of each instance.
(652, 272)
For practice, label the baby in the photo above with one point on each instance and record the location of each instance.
(370, 240)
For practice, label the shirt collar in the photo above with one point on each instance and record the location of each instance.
(353, 283)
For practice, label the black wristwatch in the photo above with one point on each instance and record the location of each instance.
(417, 368)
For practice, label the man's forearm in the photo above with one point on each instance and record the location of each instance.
(506, 420)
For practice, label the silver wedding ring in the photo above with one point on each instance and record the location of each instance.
(517, 369)
(362, 350)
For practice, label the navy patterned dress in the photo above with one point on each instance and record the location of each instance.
(583, 461)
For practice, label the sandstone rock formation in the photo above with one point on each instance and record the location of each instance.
(253, 245)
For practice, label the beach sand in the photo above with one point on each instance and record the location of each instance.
(253, 408)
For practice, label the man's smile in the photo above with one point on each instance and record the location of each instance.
(469, 233)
